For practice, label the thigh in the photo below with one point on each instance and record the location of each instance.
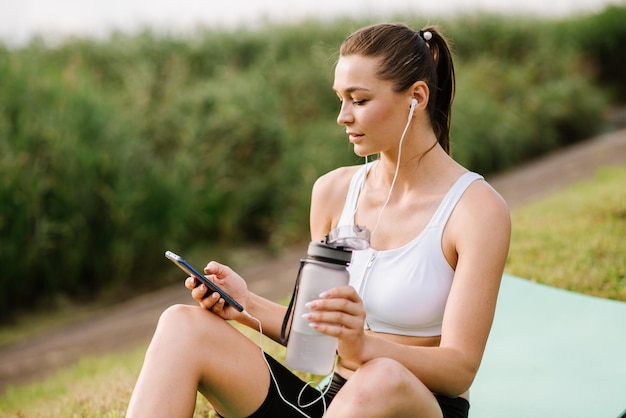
(229, 367)
(193, 349)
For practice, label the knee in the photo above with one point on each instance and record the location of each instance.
(384, 387)
(386, 377)
(376, 380)
(180, 314)
(182, 322)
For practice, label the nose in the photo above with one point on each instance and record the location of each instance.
(345, 116)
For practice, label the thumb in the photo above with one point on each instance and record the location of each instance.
(219, 270)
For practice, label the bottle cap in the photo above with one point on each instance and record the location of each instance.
(330, 253)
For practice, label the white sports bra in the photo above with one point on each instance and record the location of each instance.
(404, 290)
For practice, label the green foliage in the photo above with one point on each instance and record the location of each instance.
(516, 97)
(601, 38)
(113, 151)
(74, 186)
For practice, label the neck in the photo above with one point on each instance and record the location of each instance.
(418, 156)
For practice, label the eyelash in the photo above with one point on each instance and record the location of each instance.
(355, 102)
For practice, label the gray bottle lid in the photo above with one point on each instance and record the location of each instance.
(325, 251)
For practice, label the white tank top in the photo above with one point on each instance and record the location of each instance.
(405, 290)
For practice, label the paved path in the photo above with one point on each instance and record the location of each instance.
(132, 323)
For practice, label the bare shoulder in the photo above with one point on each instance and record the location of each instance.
(482, 213)
(327, 200)
(481, 199)
(335, 181)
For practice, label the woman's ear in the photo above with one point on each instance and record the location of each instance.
(419, 91)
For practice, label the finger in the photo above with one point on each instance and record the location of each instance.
(337, 305)
(336, 311)
(191, 283)
(341, 292)
(197, 282)
(219, 305)
(337, 331)
(220, 270)
(214, 279)
(210, 301)
(334, 319)
(200, 292)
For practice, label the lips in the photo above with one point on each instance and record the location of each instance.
(353, 136)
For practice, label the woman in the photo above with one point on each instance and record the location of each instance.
(413, 323)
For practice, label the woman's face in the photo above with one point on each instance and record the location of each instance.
(372, 112)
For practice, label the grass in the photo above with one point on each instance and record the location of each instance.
(573, 240)
(94, 387)
(98, 387)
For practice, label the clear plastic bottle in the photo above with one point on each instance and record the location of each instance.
(324, 268)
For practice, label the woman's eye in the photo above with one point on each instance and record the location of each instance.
(354, 102)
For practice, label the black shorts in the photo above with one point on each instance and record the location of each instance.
(291, 388)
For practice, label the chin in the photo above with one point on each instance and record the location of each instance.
(371, 155)
(360, 152)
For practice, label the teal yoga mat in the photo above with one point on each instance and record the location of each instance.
(552, 353)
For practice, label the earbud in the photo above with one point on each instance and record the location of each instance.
(413, 105)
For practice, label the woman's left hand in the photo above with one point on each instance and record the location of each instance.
(340, 313)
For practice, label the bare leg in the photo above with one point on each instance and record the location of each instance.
(384, 388)
(193, 349)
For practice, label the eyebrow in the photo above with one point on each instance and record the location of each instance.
(350, 90)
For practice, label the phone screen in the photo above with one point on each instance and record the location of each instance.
(189, 269)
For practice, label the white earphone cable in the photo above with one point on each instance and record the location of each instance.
(395, 176)
(316, 387)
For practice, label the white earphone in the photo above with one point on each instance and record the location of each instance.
(413, 105)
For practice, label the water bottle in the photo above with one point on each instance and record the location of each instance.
(324, 267)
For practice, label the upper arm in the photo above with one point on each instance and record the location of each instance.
(327, 200)
(480, 230)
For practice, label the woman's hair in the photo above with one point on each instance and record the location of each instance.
(407, 56)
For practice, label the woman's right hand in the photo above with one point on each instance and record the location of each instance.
(340, 313)
(225, 278)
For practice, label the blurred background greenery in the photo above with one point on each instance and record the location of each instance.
(113, 151)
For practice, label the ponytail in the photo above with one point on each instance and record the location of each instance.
(441, 110)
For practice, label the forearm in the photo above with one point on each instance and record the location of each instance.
(269, 313)
(446, 371)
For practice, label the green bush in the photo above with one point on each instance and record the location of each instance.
(520, 91)
(508, 112)
(75, 186)
(113, 151)
(601, 39)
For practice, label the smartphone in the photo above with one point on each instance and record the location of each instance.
(189, 269)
